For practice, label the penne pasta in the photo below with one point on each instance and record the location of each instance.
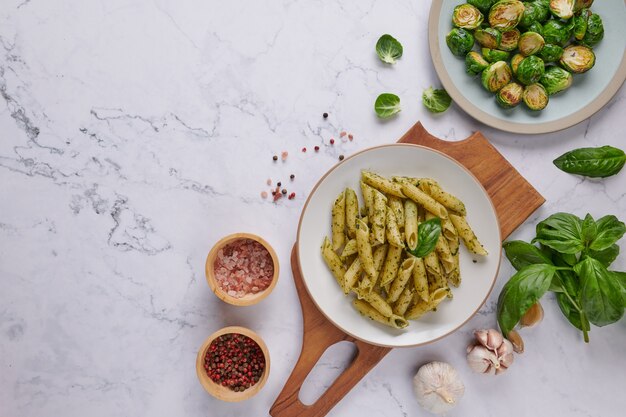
(333, 261)
(467, 234)
(425, 200)
(404, 301)
(379, 257)
(375, 300)
(432, 188)
(401, 280)
(454, 277)
(420, 307)
(395, 204)
(367, 310)
(448, 230)
(382, 184)
(352, 211)
(391, 265)
(352, 275)
(379, 217)
(454, 245)
(368, 198)
(349, 249)
(339, 222)
(365, 249)
(436, 279)
(444, 254)
(420, 279)
(410, 223)
(392, 230)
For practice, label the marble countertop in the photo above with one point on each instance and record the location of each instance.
(136, 133)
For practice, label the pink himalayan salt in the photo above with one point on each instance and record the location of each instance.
(243, 267)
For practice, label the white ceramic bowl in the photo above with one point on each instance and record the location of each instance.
(410, 160)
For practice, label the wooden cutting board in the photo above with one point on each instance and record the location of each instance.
(514, 199)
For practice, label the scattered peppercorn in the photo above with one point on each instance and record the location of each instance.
(332, 141)
(317, 148)
(284, 191)
(474, 260)
(350, 136)
(325, 115)
(291, 177)
(292, 196)
(234, 361)
(341, 157)
(279, 184)
(275, 157)
(303, 149)
(342, 134)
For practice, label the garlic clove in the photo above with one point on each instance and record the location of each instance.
(505, 353)
(482, 360)
(489, 338)
(532, 316)
(517, 341)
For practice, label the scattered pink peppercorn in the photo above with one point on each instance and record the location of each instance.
(350, 136)
(332, 141)
(317, 148)
(292, 196)
(303, 149)
(342, 134)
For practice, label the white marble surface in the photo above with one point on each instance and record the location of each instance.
(135, 133)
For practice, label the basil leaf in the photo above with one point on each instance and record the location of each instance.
(610, 230)
(601, 296)
(436, 101)
(388, 49)
(387, 105)
(592, 162)
(428, 234)
(589, 229)
(522, 254)
(523, 290)
(606, 256)
(562, 232)
(570, 312)
(620, 278)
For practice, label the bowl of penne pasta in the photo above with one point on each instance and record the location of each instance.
(410, 245)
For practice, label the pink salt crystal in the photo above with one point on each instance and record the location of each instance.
(263, 194)
(269, 181)
(342, 134)
(284, 155)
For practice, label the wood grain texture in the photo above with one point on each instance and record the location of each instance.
(514, 199)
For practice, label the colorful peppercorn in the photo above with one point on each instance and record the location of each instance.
(325, 115)
(317, 148)
(332, 141)
(234, 361)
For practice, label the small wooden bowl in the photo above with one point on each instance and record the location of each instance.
(223, 393)
(247, 299)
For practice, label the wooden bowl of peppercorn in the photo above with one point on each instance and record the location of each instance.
(233, 364)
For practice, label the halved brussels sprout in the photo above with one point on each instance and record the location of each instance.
(550, 53)
(482, 5)
(460, 41)
(535, 97)
(517, 58)
(556, 32)
(578, 59)
(467, 16)
(582, 4)
(556, 79)
(493, 55)
(563, 9)
(509, 40)
(580, 24)
(475, 63)
(506, 14)
(595, 31)
(510, 95)
(530, 43)
(533, 13)
(488, 37)
(496, 76)
(530, 70)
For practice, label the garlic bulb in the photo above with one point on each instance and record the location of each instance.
(493, 354)
(438, 387)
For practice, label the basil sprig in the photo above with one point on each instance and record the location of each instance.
(428, 234)
(592, 162)
(572, 261)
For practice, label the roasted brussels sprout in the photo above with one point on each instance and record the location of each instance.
(517, 58)
(535, 97)
(577, 59)
(580, 24)
(482, 5)
(467, 16)
(535, 27)
(556, 32)
(510, 95)
(509, 40)
(595, 31)
(493, 55)
(506, 14)
(582, 4)
(563, 9)
(475, 63)
(533, 13)
(556, 79)
(550, 53)
(488, 37)
(530, 43)
(460, 41)
(543, 14)
(530, 70)
(496, 76)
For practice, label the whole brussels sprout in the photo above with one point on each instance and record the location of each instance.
(496, 76)
(533, 13)
(556, 79)
(467, 16)
(517, 58)
(563, 9)
(544, 3)
(595, 31)
(460, 41)
(530, 43)
(556, 32)
(578, 59)
(580, 24)
(506, 14)
(530, 70)
(509, 40)
(475, 63)
(482, 5)
(582, 4)
(535, 27)
(493, 55)
(535, 97)
(543, 12)
(551, 53)
(488, 38)
(510, 95)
